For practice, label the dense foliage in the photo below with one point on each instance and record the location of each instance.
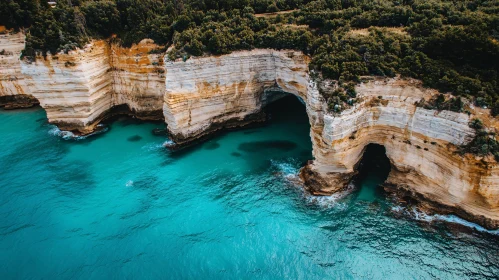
(440, 102)
(451, 45)
(484, 143)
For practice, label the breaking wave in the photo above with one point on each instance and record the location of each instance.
(422, 216)
(335, 200)
(68, 135)
(154, 146)
(289, 169)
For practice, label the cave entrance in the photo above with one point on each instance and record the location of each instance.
(288, 123)
(373, 170)
(287, 108)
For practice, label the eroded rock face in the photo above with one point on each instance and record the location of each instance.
(75, 88)
(139, 78)
(80, 88)
(206, 94)
(14, 93)
(202, 95)
(421, 145)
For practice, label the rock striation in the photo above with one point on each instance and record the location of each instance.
(210, 93)
(421, 145)
(200, 96)
(138, 78)
(206, 94)
(75, 88)
(81, 88)
(14, 93)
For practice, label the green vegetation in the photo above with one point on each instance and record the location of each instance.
(483, 144)
(451, 45)
(440, 102)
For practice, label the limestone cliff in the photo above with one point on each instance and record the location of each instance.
(201, 95)
(421, 145)
(139, 78)
(14, 93)
(206, 94)
(80, 88)
(73, 88)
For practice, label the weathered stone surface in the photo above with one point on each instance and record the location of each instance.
(14, 93)
(205, 94)
(421, 145)
(139, 78)
(79, 89)
(74, 88)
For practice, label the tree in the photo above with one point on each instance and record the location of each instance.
(102, 17)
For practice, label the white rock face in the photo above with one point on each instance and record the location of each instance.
(202, 95)
(75, 89)
(421, 145)
(79, 89)
(13, 88)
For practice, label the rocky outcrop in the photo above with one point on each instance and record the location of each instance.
(206, 94)
(74, 88)
(421, 145)
(200, 96)
(80, 88)
(139, 78)
(14, 93)
(211, 93)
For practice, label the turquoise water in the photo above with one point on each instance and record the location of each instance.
(119, 206)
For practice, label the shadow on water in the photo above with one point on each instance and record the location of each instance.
(122, 121)
(211, 145)
(134, 138)
(75, 179)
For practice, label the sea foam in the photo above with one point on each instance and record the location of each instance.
(68, 135)
(422, 216)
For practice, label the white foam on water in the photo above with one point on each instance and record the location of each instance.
(129, 183)
(168, 143)
(55, 131)
(457, 220)
(153, 146)
(330, 201)
(288, 169)
(421, 216)
(68, 135)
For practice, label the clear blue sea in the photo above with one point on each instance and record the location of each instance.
(120, 206)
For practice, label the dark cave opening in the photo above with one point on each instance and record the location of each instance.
(288, 119)
(374, 166)
(289, 109)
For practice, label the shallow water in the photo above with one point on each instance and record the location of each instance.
(118, 205)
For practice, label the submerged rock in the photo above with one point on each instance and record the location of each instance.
(134, 138)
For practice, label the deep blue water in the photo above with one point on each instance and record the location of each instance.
(120, 206)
